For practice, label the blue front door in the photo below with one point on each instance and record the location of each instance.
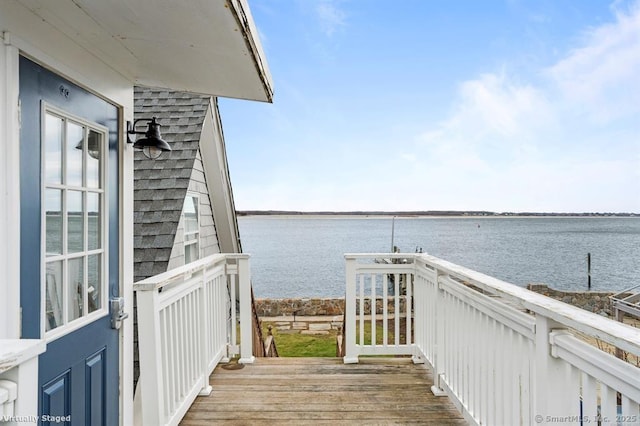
(69, 245)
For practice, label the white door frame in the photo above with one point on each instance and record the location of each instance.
(87, 71)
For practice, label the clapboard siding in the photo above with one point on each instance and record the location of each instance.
(208, 238)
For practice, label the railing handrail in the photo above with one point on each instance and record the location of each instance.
(161, 280)
(187, 329)
(380, 255)
(260, 345)
(634, 289)
(341, 343)
(271, 350)
(620, 335)
(502, 353)
(615, 333)
(597, 364)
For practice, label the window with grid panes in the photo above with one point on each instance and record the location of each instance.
(74, 220)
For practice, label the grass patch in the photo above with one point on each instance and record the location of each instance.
(291, 344)
(294, 344)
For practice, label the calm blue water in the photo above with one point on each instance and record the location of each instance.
(303, 257)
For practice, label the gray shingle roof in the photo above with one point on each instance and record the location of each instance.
(160, 186)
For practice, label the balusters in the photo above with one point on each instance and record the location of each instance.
(505, 355)
(183, 333)
(385, 313)
(361, 311)
(373, 309)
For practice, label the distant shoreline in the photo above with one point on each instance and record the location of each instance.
(428, 213)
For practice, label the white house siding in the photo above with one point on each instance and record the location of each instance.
(9, 194)
(208, 238)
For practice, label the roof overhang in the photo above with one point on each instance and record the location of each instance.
(202, 46)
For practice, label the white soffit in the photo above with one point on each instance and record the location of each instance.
(202, 46)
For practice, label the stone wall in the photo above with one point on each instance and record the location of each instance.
(592, 301)
(316, 307)
(305, 325)
(597, 302)
(299, 307)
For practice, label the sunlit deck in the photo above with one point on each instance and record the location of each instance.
(298, 391)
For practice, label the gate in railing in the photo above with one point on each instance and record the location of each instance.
(378, 303)
(187, 323)
(503, 354)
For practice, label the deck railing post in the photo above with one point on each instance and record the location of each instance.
(552, 376)
(503, 354)
(152, 385)
(246, 332)
(351, 354)
(205, 336)
(439, 327)
(419, 307)
(232, 324)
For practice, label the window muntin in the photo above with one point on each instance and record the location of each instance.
(75, 222)
(191, 224)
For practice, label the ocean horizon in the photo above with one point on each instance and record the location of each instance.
(303, 255)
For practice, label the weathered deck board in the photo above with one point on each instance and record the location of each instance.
(317, 391)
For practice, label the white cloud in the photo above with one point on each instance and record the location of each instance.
(495, 120)
(499, 106)
(330, 16)
(601, 75)
(570, 142)
(565, 138)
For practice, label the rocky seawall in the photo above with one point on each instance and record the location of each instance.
(597, 302)
(307, 307)
(316, 307)
(592, 301)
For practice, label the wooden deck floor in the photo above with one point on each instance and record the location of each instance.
(299, 391)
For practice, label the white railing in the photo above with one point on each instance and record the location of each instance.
(19, 380)
(187, 323)
(503, 354)
(375, 293)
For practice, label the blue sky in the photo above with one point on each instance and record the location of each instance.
(442, 105)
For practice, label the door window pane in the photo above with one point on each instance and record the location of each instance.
(76, 287)
(93, 212)
(53, 149)
(53, 295)
(94, 290)
(94, 152)
(75, 139)
(75, 222)
(53, 221)
(74, 219)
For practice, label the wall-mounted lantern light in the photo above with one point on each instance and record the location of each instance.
(152, 144)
